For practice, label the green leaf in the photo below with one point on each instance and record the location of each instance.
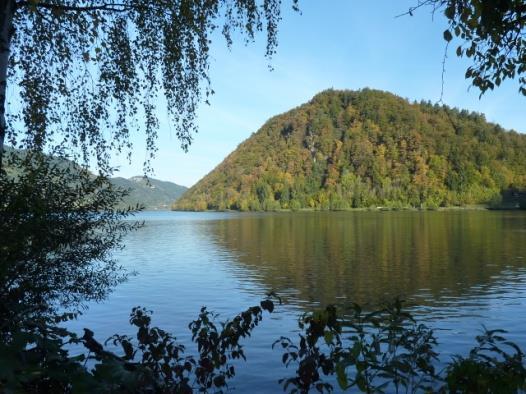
(341, 376)
(450, 12)
(329, 336)
(355, 352)
(267, 305)
(447, 35)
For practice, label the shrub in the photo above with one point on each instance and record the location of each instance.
(35, 358)
(58, 226)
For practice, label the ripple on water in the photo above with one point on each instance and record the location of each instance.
(456, 271)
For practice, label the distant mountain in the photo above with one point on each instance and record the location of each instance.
(367, 148)
(151, 193)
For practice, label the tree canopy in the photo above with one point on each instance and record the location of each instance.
(492, 34)
(89, 73)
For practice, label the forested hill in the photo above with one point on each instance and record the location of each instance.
(349, 149)
(150, 193)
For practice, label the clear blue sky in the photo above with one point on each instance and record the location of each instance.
(341, 44)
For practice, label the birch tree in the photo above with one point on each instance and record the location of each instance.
(86, 74)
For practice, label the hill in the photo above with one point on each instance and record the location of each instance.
(352, 149)
(152, 193)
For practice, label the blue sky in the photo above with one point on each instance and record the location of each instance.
(341, 44)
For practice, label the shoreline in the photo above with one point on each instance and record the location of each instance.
(369, 209)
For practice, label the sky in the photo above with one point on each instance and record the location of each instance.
(340, 44)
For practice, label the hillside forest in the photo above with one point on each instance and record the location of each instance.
(368, 148)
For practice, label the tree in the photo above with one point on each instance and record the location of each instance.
(58, 227)
(88, 73)
(492, 35)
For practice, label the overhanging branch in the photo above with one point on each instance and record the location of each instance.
(113, 7)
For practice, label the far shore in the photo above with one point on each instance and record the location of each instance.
(374, 209)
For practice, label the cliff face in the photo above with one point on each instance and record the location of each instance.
(350, 149)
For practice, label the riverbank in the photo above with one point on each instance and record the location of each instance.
(377, 209)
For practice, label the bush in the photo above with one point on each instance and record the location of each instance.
(493, 366)
(388, 351)
(271, 205)
(382, 351)
(35, 358)
(295, 205)
(58, 227)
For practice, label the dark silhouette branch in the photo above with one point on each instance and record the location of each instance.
(6, 33)
(114, 7)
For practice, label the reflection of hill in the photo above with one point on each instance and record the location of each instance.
(370, 256)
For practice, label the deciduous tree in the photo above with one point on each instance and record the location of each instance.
(88, 73)
(491, 34)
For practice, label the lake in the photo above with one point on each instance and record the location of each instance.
(456, 270)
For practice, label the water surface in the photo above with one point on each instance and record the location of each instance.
(456, 270)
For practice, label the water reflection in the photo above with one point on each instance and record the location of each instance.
(458, 269)
(429, 258)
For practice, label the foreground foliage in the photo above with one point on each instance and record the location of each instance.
(387, 351)
(35, 357)
(58, 228)
(491, 34)
(347, 149)
(382, 352)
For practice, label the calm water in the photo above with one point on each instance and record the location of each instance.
(456, 269)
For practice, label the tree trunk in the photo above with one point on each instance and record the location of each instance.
(7, 9)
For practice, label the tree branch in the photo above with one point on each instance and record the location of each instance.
(114, 7)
